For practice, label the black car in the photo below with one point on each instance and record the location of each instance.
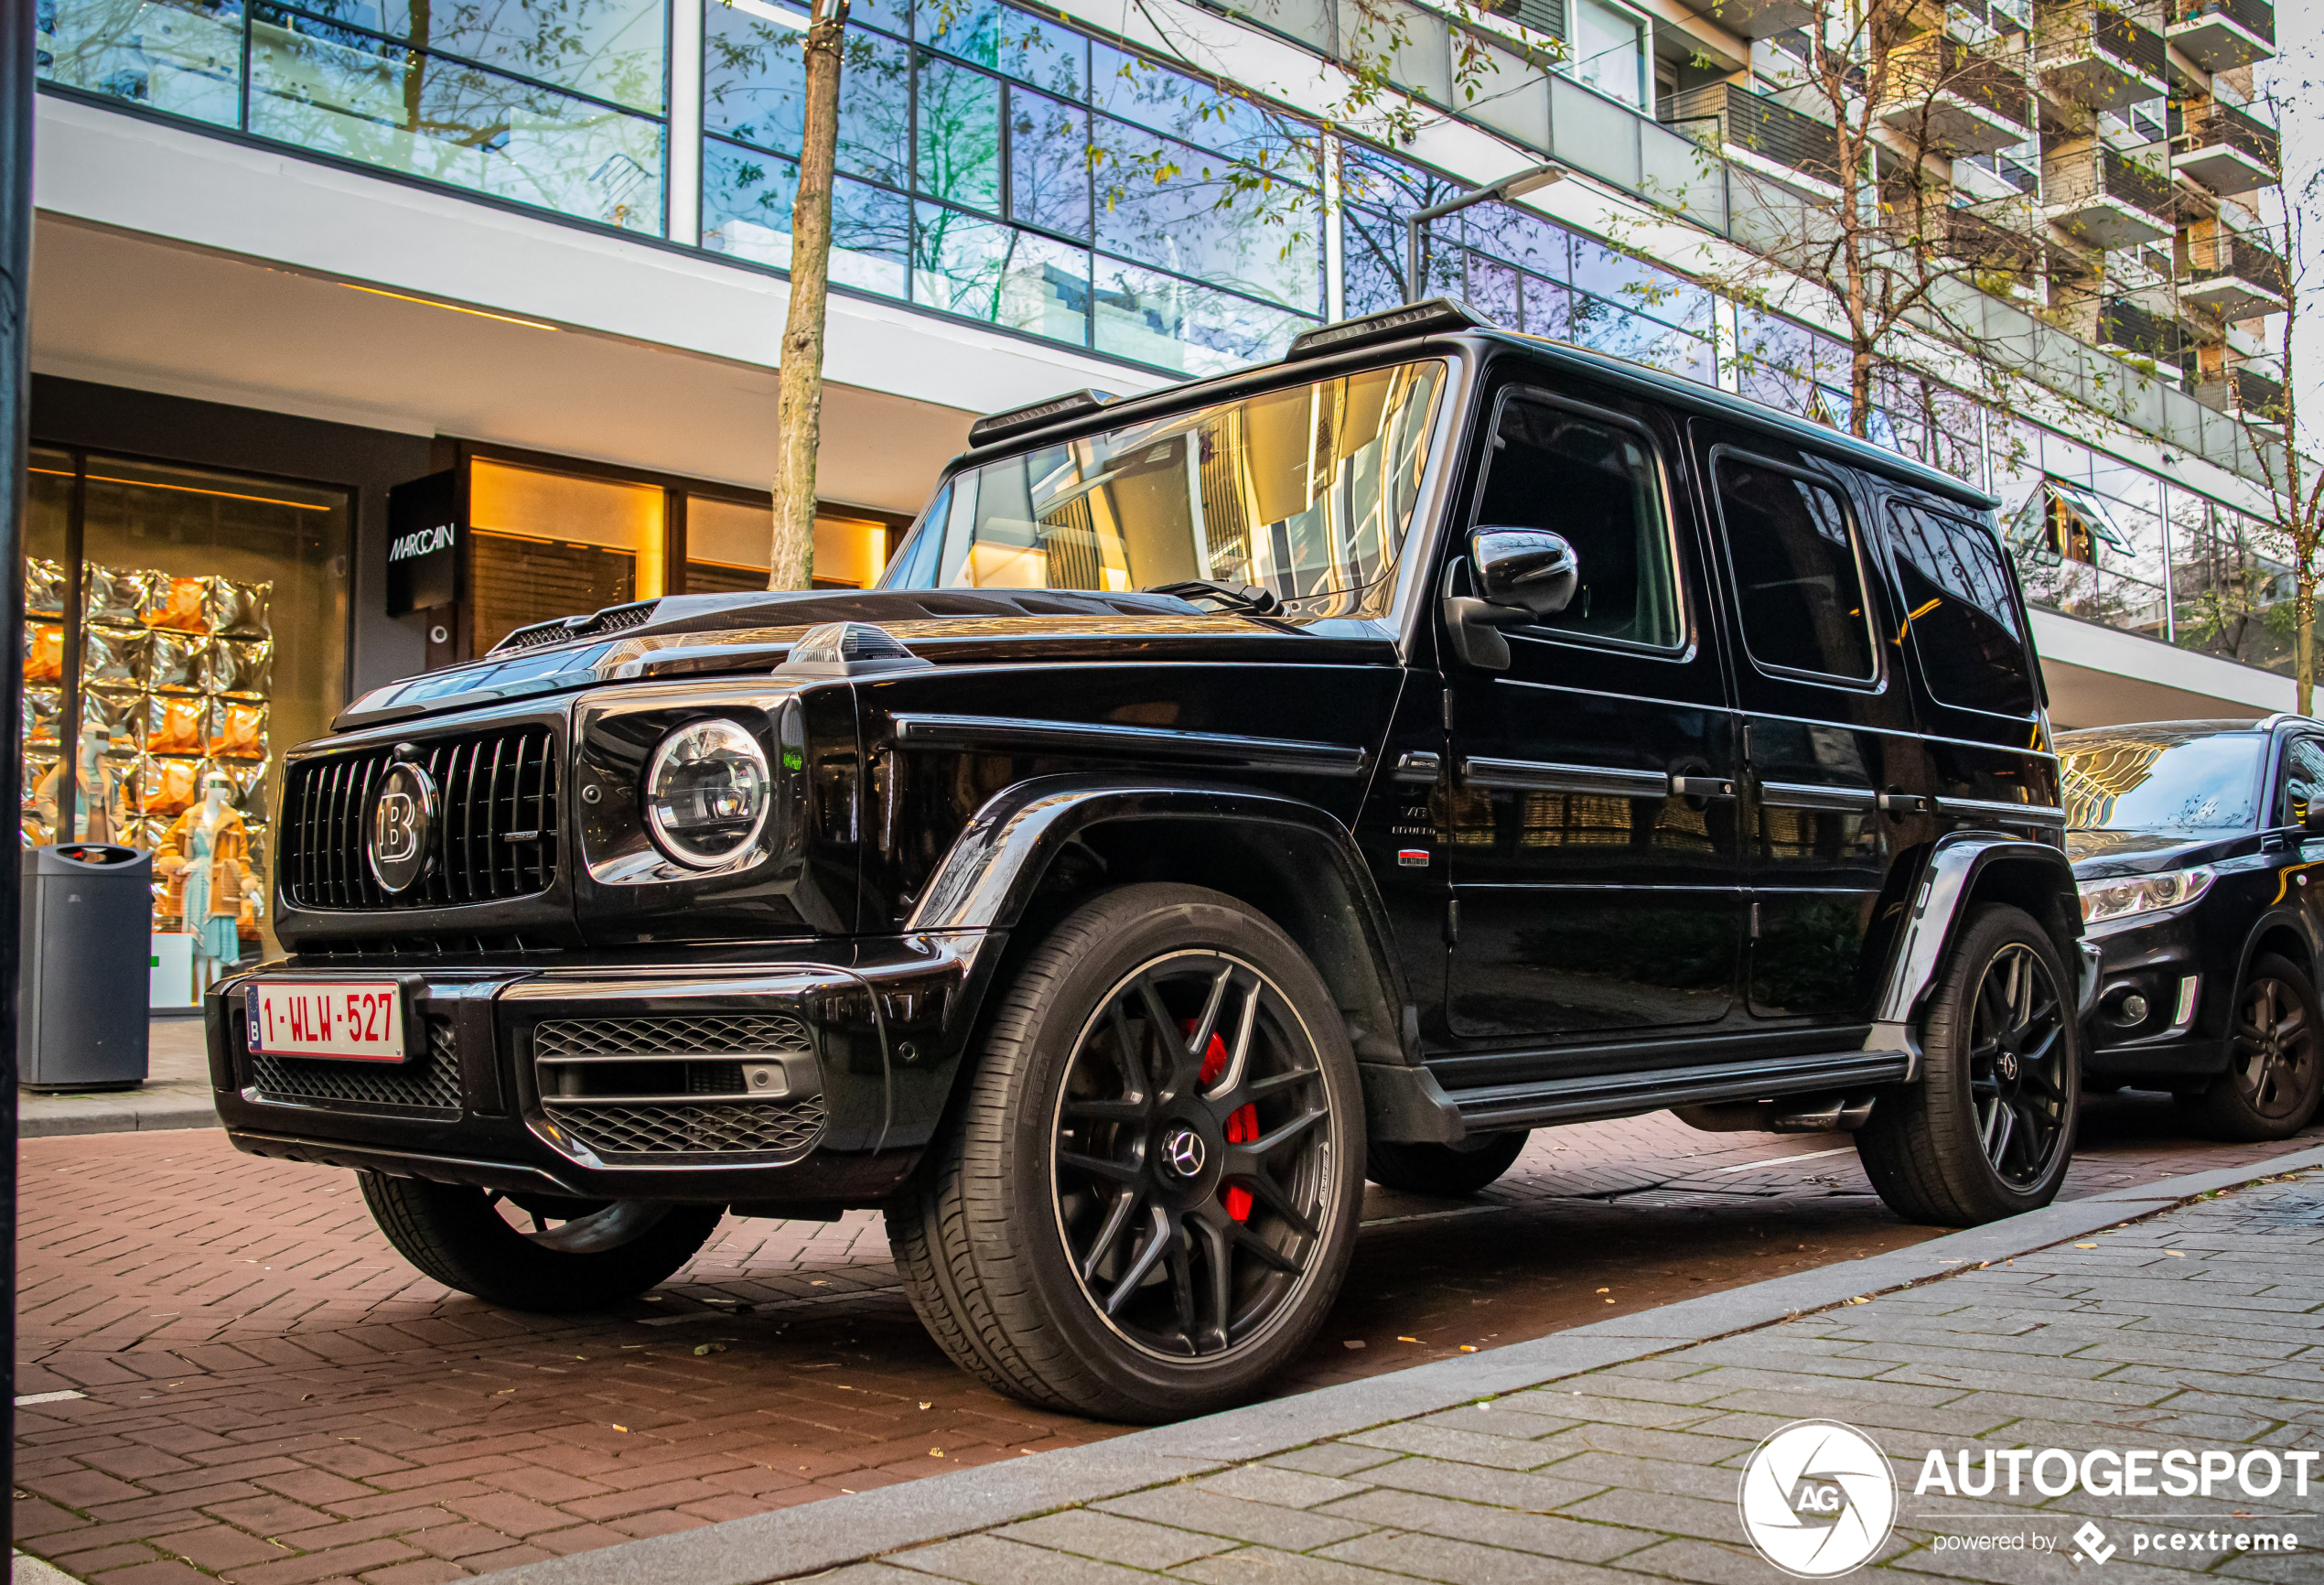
(2200, 850)
(1337, 768)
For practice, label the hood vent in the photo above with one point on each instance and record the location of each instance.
(564, 629)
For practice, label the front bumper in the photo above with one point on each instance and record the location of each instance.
(2153, 1013)
(632, 1080)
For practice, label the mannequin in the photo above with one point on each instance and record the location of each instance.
(205, 858)
(98, 812)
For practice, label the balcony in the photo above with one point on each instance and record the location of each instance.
(2097, 58)
(2225, 149)
(1953, 99)
(2220, 35)
(2128, 330)
(2233, 277)
(1755, 18)
(2244, 391)
(1758, 129)
(2102, 199)
(1994, 236)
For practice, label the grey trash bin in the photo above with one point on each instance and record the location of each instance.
(87, 959)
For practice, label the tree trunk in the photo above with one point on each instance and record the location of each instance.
(798, 400)
(2304, 640)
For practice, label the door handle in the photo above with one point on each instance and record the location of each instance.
(1904, 803)
(1702, 787)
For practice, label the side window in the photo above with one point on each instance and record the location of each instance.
(2303, 780)
(1797, 576)
(1958, 607)
(1597, 483)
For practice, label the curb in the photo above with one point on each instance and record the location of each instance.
(825, 1533)
(39, 1122)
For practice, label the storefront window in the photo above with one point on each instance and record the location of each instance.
(545, 544)
(200, 627)
(727, 542)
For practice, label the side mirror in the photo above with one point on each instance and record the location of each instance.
(1529, 569)
(2312, 817)
(1521, 575)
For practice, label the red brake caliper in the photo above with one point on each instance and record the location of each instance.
(1243, 1127)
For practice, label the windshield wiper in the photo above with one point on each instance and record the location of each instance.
(1248, 597)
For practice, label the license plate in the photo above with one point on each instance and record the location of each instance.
(337, 1020)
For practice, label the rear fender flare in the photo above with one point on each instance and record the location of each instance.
(1961, 870)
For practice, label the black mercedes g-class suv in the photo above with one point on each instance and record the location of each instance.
(1334, 768)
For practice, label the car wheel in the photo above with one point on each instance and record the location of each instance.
(2274, 1072)
(1147, 1203)
(1989, 1130)
(1446, 1170)
(538, 1252)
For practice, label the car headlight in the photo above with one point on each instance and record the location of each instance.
(2119, 897)
(707, 794)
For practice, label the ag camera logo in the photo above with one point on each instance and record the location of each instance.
(1817, 1499)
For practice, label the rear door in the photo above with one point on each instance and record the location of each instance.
(1594, 902)
(1827, 723)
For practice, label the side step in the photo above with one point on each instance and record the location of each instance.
(1576, 1100)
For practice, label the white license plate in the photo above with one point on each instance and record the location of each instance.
(346, 1020)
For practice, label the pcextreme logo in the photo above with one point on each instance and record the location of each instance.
(1817, 1499)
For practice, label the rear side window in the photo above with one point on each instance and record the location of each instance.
(2303, 780)
(1959, 609)
(1798, 578)
(1597, 483)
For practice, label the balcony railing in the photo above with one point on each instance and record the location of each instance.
(2235, 278)
(1994, 236)
(1956, 100)
(1752, 124)
(2124, 327)
(2225, 149)
(2103, 198)
(2246, 391)
(2092, 54)
(2220, 35)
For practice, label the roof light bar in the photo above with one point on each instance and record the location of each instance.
(1000, 426)
(1436, 314)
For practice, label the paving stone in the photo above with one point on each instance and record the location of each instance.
(1432, 1556)
(1460, 1447)
(1485, 1525)
(990, 1560)
(1265, 1566)
(1331, 1459)
(1280, 1487)
(1469, 1483)
(1115, 1538)
(1206, 1513)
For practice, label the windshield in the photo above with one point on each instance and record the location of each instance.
(2150, 780)
(1307, 492)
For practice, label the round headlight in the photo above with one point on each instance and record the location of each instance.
(707, 794)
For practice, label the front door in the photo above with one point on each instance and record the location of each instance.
(1589, 813)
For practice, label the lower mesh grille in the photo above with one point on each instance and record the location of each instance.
(621, 1086)
(431, 1084)
(755, 1127)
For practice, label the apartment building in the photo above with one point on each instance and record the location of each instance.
(365, 331)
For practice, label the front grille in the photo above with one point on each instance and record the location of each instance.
(623, 1086)
(430, 1085)
(612, 620)
(736, 1127)
(495, 836)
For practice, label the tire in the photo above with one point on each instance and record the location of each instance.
(1989, 1132)
(1450, 1170)
(2274, 1068)
(1155, 1237)
(582, 1255)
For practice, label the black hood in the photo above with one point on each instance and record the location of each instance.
(2096, 854)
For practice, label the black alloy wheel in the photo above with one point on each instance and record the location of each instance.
(1146, 1200)
(2274, 1072)
(1189, 1173)
(2017, 1056)
(1987, 1130)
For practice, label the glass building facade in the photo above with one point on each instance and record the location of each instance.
(1000, 167)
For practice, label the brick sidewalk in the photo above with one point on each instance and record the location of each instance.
(2202, 1328)
(271, 1395)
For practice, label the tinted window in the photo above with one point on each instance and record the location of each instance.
(2148, 778)
(2303, 780)
(1958, 607)
(1596, 484)
(1795, 571)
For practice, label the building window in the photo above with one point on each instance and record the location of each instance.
(727, 543)
(1609, 50)
(544, 545)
